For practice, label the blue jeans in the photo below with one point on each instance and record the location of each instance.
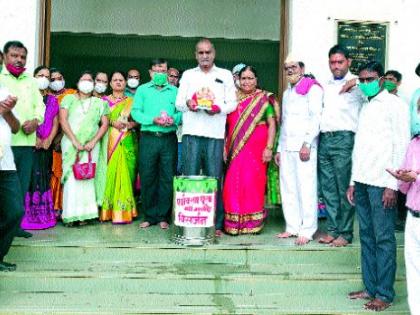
(206, 154)
(377, 239)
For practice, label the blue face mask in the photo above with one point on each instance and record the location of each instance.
(370, 88)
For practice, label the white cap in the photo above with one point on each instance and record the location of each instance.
(236, 69)
(291, 57)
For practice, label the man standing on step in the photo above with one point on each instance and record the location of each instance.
(338, 126)
(203, 131)
(29, 107)
(154, 109)
(11, 203)
(381, 141)
(297, 152)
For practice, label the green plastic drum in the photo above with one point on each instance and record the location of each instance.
(194, 210)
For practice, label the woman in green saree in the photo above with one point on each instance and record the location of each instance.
(84, 121)
(119, 203)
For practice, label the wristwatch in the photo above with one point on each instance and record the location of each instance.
(307, 145)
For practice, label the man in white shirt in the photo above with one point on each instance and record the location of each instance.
(203, 131)
(297, 152)
(338, 126)
(392, 81)
(381, 141)
(11, 203)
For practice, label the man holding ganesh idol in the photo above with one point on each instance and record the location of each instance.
(206, 95)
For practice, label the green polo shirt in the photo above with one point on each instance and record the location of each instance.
(30, 104)
(150, 101)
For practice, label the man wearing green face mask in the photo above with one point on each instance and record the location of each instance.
(154, 109)
(381, 140)
(392, 81)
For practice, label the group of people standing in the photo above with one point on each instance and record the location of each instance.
(349, 134)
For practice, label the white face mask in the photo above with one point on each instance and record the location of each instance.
(85, 86)
(43, 83)
(133, 83)
(100, 87)
(57, 85)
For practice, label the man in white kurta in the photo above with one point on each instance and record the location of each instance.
(297, 154)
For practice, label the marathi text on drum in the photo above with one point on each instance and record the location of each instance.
(196, 220)
(194, 209)
(195, 200)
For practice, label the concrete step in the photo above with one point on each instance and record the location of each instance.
(105, 269)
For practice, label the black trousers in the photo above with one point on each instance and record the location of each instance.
(158, 154)
(11, 209)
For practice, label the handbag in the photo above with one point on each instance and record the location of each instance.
(84, 171)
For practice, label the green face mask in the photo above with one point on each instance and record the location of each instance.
(389, 85)
(160, 78)
(371, 88)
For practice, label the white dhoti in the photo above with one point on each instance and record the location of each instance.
(412, 262)
(298, 187)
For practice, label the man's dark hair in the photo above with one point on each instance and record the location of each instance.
(418, 70)
(1, 54)
(39, 68)
(157, 61)
(395, 74)
(337, 49)
(14, 44)
(373, 66)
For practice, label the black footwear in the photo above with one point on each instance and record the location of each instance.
(4, 266)
(22, 233)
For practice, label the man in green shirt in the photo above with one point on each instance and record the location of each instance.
(30, 109)
(154, 109)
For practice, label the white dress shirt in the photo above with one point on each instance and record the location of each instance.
(381, 140)
(341, 111)
(220, 82)
(7, 162)
(301, 116)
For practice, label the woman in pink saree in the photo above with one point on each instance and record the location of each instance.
(249, 146)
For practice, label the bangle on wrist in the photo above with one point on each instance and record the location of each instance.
(269, 147)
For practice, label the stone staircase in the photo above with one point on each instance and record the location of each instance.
(107, 269)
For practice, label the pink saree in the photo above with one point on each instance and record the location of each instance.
(245, 180)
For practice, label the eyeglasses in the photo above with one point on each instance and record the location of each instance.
(173, 76)
(367, 79)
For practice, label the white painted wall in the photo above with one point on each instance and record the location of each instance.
(19, 20)
(313, 31)
(252, 19)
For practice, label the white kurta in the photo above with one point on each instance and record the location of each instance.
(298, 180)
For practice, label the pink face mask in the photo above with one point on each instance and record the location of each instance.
(16, 71)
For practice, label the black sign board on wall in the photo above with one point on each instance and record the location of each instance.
(365, 41)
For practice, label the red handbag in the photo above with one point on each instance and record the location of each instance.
(84, 171)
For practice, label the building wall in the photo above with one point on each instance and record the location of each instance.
(230, 19)
(313, 30)
(106, 35)
(19, 20)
